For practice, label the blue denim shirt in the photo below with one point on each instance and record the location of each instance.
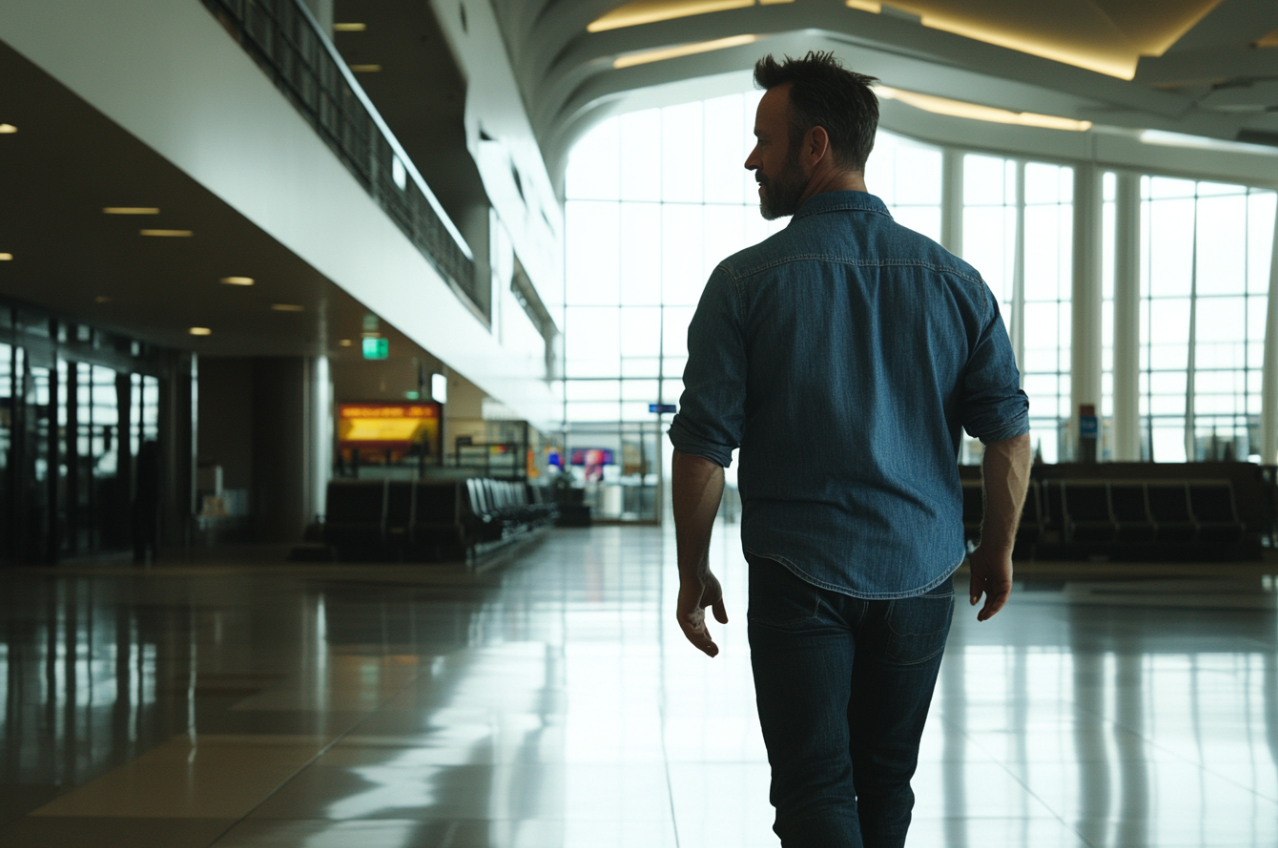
(842, 355)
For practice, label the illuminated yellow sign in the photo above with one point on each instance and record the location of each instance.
(387, 425)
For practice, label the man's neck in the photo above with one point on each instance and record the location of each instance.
(828, 180)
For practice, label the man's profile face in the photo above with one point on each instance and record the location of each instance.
(774, 160)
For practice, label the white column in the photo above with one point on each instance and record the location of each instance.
(1127, 319)
(1269, 390)
(1085, 347)
(1018, 275)
(952, 201)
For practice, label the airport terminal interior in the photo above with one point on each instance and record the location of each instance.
(339, 342)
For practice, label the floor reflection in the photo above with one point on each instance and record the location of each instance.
(553, 703)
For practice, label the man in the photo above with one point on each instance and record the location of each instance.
(842, 356)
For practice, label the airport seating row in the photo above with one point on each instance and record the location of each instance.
(429, 520)
(1127, 518)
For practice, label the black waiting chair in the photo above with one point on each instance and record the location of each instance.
(1212, 505)
(1087, 514)
(1131, 512)
(1169, 507)
(355, 517)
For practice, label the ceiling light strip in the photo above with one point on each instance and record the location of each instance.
(974, 111)
(652, 11)
(632, 59)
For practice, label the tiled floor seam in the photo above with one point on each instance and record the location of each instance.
(318, 755)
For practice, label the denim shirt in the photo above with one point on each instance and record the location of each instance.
(842, 355)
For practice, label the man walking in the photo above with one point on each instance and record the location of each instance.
(842, 356)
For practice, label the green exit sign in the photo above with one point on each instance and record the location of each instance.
(376, 348)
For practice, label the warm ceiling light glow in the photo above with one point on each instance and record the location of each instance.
(131, 210)
(651, 11)
(287, 307)
(1085, 37)
(345, 343)
(6, 257)
(237, 281)
(365, 69)
(200, 331)
(371, 335)
(7, 129)
(962, 109)
(1270, 40)
(167, 233)
(349, 27)
(682, 50)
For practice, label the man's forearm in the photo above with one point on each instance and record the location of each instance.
(696, 489)
(1005, 479)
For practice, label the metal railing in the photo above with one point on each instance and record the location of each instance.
(289, 46)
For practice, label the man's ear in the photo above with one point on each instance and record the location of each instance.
(816, 144)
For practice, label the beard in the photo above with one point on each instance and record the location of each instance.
(781, 195)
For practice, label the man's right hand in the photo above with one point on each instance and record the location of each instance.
(991, 577)
(695, 597)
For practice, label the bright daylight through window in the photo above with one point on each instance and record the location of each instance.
(656, 198)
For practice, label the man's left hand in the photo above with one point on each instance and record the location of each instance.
(694, 597)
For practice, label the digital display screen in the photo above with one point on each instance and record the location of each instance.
(593, 456)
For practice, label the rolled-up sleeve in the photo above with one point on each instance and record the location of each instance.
(994, 406)
(711, 413)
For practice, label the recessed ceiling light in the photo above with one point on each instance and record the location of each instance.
(237, 281)
(7, 129)
(287, 307)
(131, 210)
(6, 257)
(349, 27)
(365, 69)
(200, 331)
(102, 298)
(167, 233)
(345, 343)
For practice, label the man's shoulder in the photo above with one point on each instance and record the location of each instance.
(873, 240)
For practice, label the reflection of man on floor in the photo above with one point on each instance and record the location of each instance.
(842, 356)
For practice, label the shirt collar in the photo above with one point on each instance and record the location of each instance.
(841, 201)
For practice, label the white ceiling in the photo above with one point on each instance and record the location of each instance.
(1185, 66)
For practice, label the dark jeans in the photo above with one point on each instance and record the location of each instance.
(843, 687)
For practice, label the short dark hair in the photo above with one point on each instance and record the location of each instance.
(825, 94)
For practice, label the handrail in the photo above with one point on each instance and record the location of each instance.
(289, 45)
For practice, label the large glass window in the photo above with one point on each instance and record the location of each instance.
(655, 199)
(906, 176)
(1049, 241)
(1204, 284)
(989, 225)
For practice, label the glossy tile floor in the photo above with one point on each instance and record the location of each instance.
(552, 702)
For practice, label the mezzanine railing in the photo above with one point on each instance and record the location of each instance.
(288, 45)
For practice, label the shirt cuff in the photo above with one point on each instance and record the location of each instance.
(687, 442)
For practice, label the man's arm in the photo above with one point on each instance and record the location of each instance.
(1005, 479)
(696, 488)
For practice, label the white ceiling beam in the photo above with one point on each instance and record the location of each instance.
(953, 63)
(1234, 24)
(1207, 66)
